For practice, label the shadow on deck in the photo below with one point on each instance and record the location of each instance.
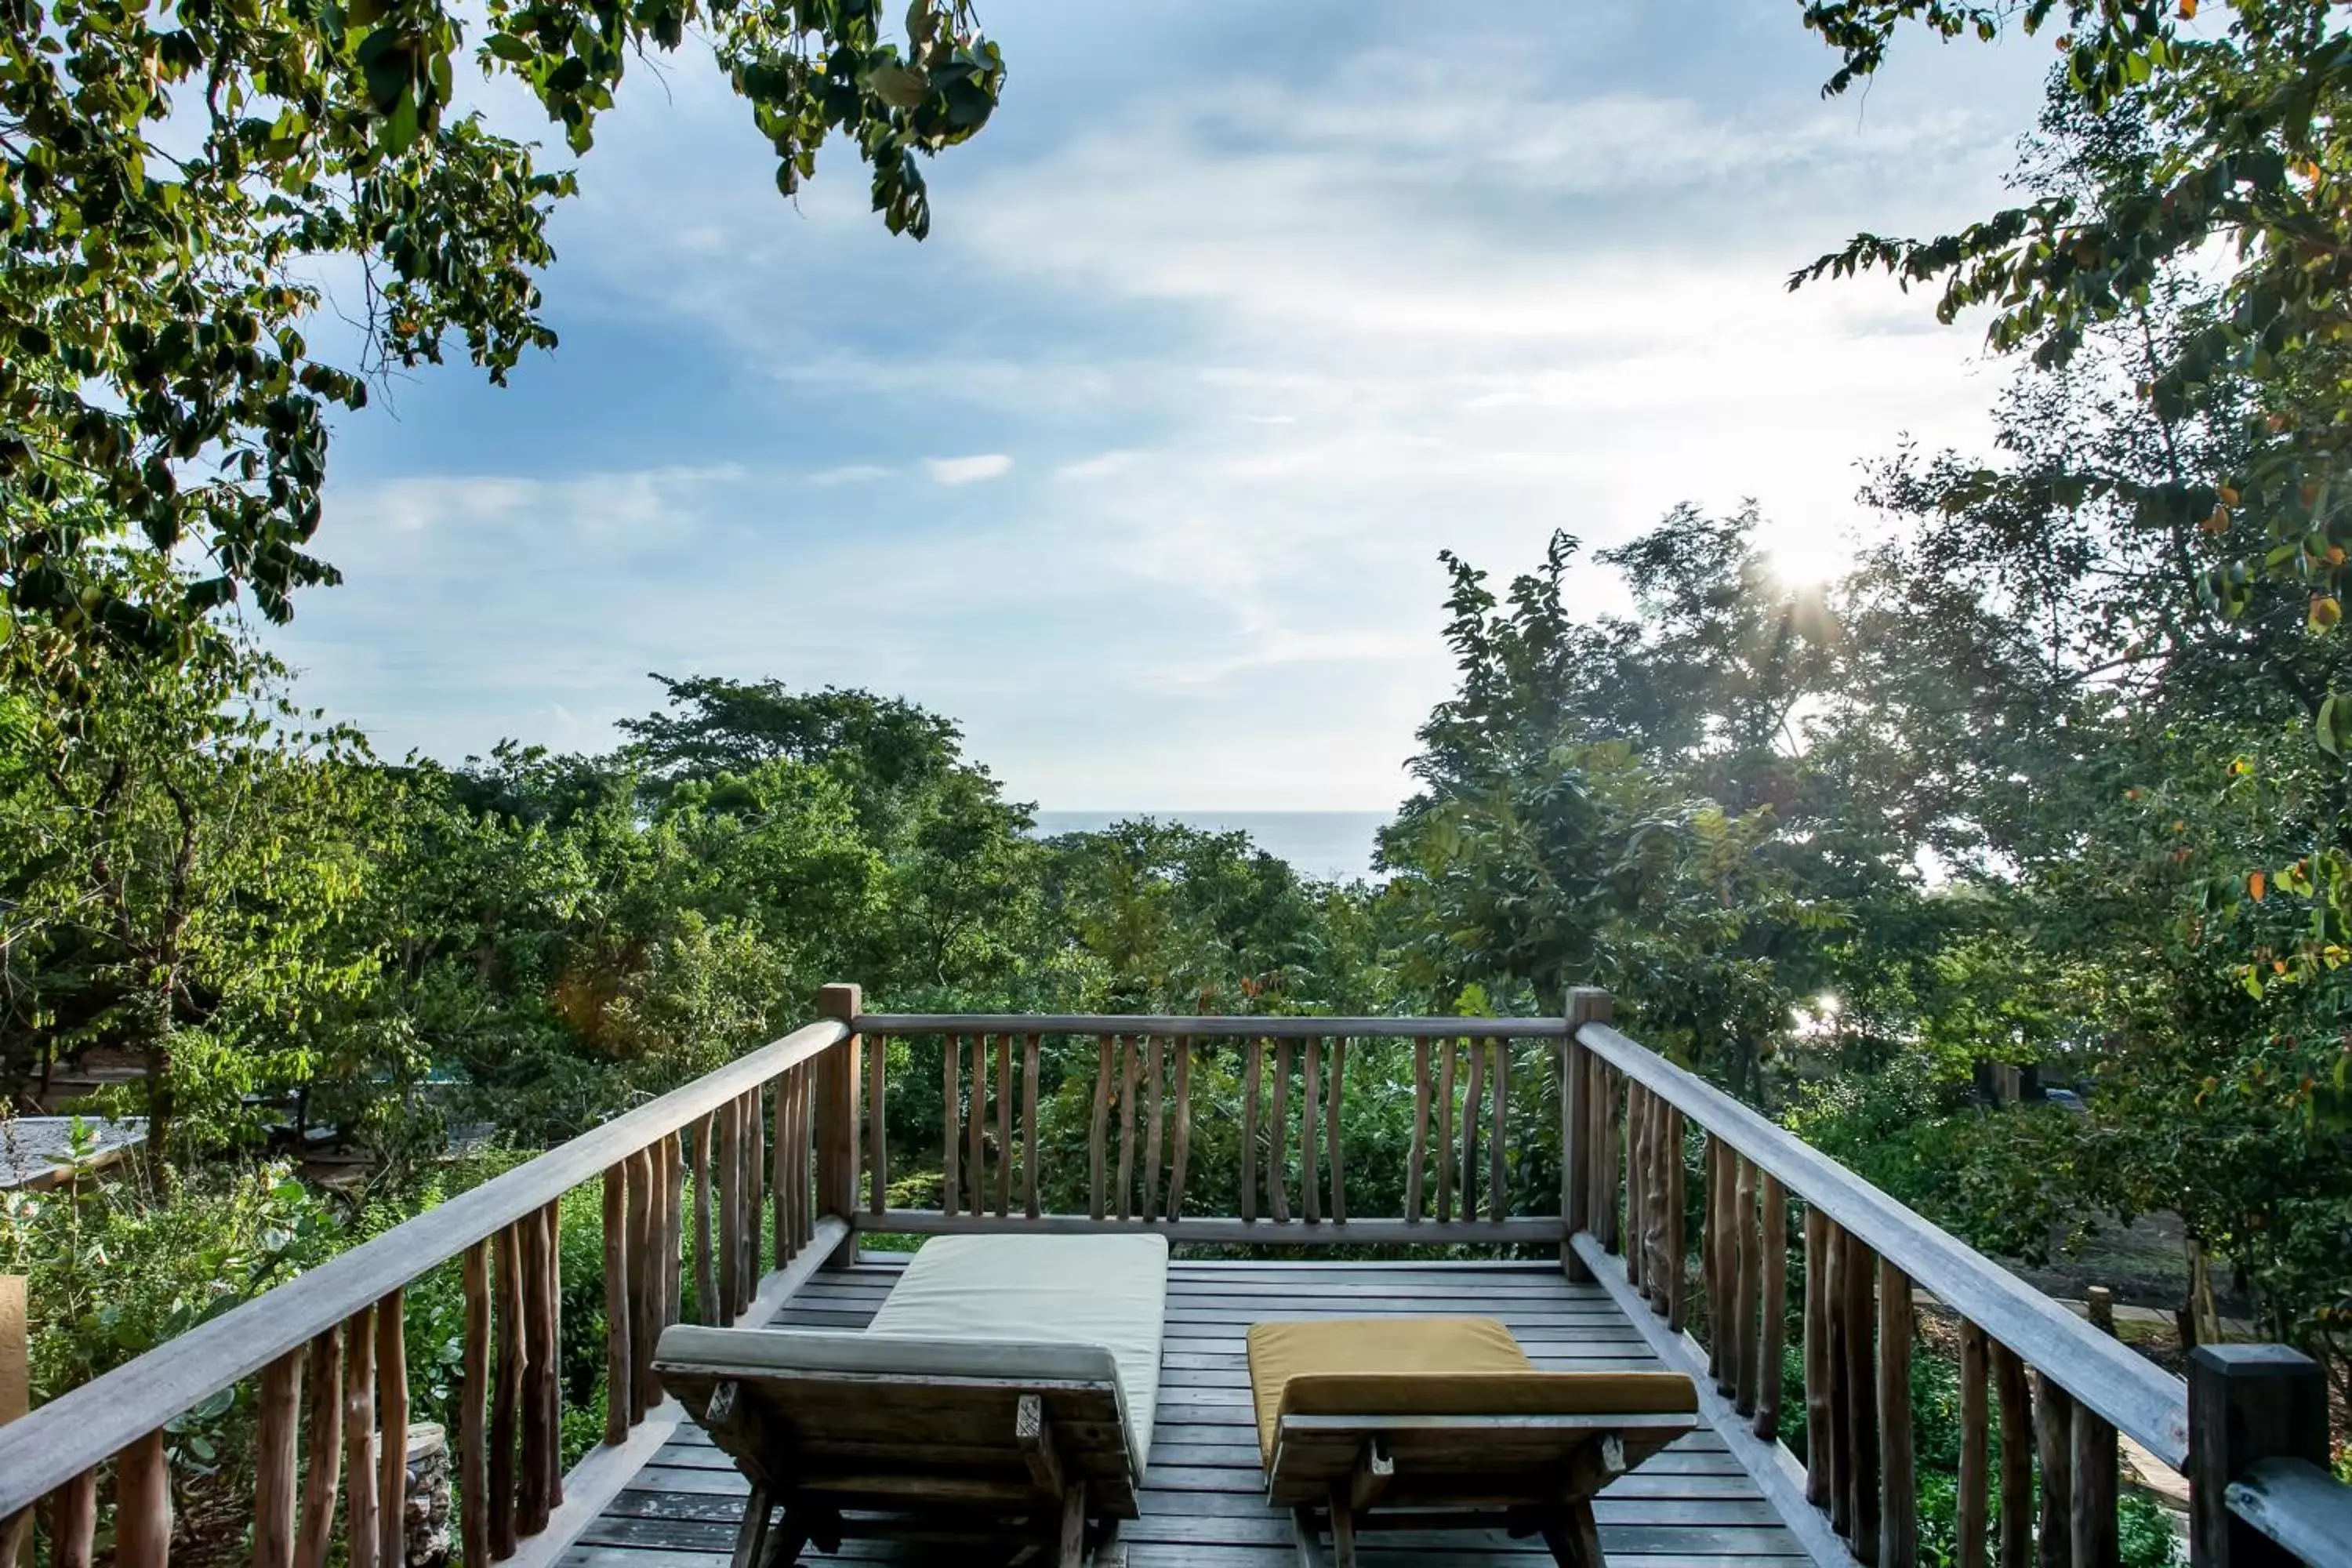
(1692, 1505)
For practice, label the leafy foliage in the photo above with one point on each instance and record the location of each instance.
(172, 180)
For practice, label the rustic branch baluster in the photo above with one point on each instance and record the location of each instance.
(1417, 1162)
(1029, 1078)
(1310, 1178)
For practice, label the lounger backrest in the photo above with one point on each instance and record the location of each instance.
(843, 1411)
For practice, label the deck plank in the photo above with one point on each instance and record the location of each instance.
(1690, 1506)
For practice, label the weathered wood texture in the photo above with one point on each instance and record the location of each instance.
(2121, 1386)
(86, 1425)
(1202, 1501)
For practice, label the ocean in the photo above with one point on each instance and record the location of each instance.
(1331, 845)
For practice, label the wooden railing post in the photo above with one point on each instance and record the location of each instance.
(1586, 1005)
(836, 1121)
(2246, 1404)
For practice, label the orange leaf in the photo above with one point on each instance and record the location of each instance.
(2258, 884)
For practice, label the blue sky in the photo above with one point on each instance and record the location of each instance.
(1139, 468)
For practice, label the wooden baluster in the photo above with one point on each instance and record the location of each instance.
(1971, 1514)
(473, 1478)
(322, 1447)
(2053, 1441)
(805, 1154)
(1898, 1539)
(278, 1413)
(1772, 1261)
(1253, 1064)
(1472, 1094)
(1498, 1176)
(143, 1504)
(1678, 1198)
(730, 1210)
(619, 1355)
(706, 1281)
(1004, 1125)
(1746, 1367)
(1611, 1157)
(1183, 1138)
(793, 1096)
(878, 1124)
(1841, 1331)
(1820, 1453)
(642, 1302)
(1575, 1170)
(1127, 1074)
(506, 1406)
(2092, 1521)
(1638, 1188)
(1859, 1380)
(1099, 1130)
(1419, 1158)
(1277, 1146)
(73, 1520)
(532, 1505)
(787, 1176)
(673, 1227)
(1716, 1249)
(1028, 1127)
(1600, 1186)
(1154, 1049)
(1445, 1131)
(976, 1130)
(392, 1421)
(754, 1111)
(1332, 1131)
(1665, 1261)
(550, 1370)
(2016, 1457)
(359, 1526)
(1311, 1173)
(952, 1116)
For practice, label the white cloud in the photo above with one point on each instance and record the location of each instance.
(1285, 330)
(968, 470)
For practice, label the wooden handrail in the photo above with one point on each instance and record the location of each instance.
(87, 1425)
(2126, 1390)
(1213, 1028)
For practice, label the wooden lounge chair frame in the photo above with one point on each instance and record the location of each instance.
(1531, 1475)
(907, 1456)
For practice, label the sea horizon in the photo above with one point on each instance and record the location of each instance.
(1327, 846)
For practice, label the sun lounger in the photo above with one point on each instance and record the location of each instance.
(1007, 1382)
(1435, 1423)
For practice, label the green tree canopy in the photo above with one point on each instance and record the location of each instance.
(172, 178)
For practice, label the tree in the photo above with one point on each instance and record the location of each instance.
(182, 857)
(172, 178)
(2234, 141)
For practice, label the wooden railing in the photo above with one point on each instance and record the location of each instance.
(2249, 1430)
(770, 1140)
(1291, 1188)
(750, 1177)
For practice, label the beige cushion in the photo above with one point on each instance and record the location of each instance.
(1431, 1366)
(1104, 1292)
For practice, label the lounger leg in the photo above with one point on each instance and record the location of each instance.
(1343, 1526)
(1074, 1526)
(1309, 1538)
(751, 1535)
(785, 1540)
(1574, 1539)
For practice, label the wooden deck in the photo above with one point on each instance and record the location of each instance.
(1690, 1506)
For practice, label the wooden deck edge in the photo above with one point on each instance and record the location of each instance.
(605, 1472)
(1773, 1468)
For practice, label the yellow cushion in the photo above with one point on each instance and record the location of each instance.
(1431, 1366)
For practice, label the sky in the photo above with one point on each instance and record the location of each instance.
(1232, 318)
